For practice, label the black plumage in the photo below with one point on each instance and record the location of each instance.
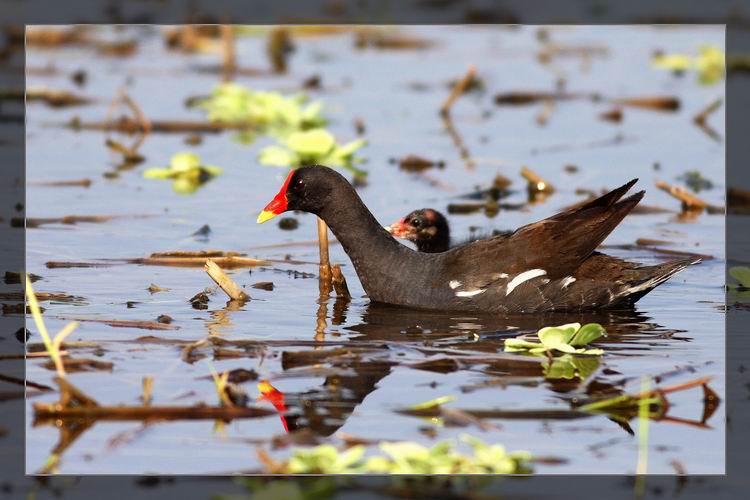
(549, 265)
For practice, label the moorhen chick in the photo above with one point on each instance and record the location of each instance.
(428, 229)
(549, 265)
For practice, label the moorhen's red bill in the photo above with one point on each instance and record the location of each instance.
(550, 265)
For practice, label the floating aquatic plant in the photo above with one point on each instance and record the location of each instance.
(408, 457)
(186, 171)
(266, 112)
(567, 338)
(742, 275)
(708, 65)
(695, 181)
(317, 146)
(741, 289)
(569, 367)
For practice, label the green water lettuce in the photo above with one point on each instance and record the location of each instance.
(570, 367)
(408, 457)
(569, 338)
(264, 112)
(317, 146)
(708, 65)
(186, 172)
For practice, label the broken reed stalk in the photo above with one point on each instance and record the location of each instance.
(458, 142)
(325, 264)
(52, 345)
(548, 106)
(689, 201)
(229, 63)
(224, 281)
(339, 282)
(700, 118)
(139, 115)
(75, 404)
(221, 387)
(536, 183)
(457, 90)
(128, 125)
(148, 388)
(643, 424)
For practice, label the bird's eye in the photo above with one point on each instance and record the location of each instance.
(299, 184)
(415, 222)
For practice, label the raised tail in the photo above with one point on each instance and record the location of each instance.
(649, 277)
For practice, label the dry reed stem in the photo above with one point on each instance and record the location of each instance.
(457, 90)
(688, 200)
(339, 282)
(325, 264)
(224, 281)
(536, 183)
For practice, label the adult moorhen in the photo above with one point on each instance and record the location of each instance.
(548, 265)
(429, 231)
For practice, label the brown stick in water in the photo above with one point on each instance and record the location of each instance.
(688, 200)
(325, 265)
(225, 282)
(229, 63)
(339, 282)
(457, 90)
(536, 183)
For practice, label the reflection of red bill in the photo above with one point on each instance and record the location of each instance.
(275, 397)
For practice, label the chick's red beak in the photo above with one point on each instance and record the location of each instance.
(278, 204)
(399, 229)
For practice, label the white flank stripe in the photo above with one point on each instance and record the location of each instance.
(567, 281)
(454, 284)
(471, 293)
(524, 276)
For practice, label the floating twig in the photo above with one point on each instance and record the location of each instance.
(229, 53)
(127, 323)
(457, 90)
(51, 97)
(702, 116)
(689, 200)
(658, 103)
(521, 98)
(74, 404)
(30, 222)
(225, 282)
(614, 115)
(66, 183)
(535, 183)
(543, 116)
(458, 142)
(129, 125)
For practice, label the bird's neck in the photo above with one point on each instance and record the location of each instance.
(376, 255)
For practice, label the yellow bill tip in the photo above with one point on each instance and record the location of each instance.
(264, 216)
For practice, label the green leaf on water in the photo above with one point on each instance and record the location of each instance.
(741, 274)
(276, 156)
(563, 338)
(312, 143)
(587, 334)
(433, 403)
(186, 172)
(553, 336)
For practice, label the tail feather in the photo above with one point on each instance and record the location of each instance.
(655, 276)
(610, 198)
